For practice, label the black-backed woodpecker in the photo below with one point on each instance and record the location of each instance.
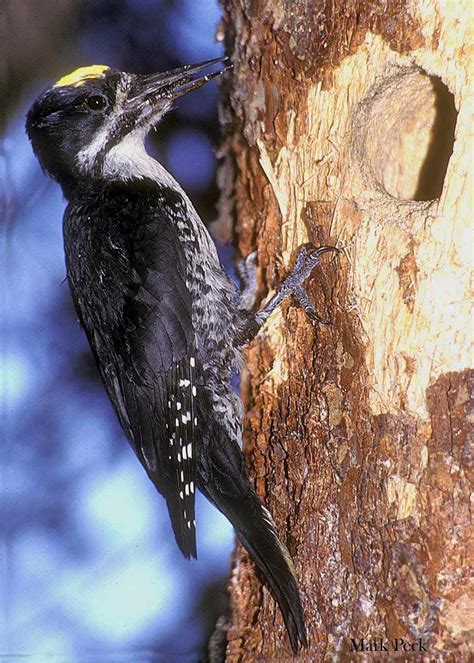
(163, 321)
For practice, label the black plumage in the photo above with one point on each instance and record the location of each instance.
(127, 273)
(128, 276)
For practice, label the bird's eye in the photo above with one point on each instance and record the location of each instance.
(96, 102)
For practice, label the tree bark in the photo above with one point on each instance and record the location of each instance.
(356, 434)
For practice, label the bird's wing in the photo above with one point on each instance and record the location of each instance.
(153, 380)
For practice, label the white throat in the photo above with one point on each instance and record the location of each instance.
(129, 160)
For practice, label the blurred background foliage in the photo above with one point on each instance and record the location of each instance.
(89, 567)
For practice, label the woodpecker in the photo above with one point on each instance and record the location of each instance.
(164, 322)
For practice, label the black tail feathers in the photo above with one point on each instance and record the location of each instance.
(257, 532)
(185, 536)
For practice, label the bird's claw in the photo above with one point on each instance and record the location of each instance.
(301, 297)
(308, 257)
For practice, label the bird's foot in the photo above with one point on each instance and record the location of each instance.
(306, 260)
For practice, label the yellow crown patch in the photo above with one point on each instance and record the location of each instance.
(79, 76)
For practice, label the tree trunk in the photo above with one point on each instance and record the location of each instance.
(344, 118)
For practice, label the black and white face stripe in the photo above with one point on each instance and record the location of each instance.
(124, 131)
(91, 157)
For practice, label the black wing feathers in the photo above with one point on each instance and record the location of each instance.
(160, 390)
(128, 278)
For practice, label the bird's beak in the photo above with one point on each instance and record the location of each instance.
(170, 85)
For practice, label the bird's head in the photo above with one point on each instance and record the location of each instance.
(75, 124)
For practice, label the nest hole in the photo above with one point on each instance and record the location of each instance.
(409, 136)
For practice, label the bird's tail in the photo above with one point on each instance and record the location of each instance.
(257, 532)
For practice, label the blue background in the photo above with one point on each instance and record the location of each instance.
(89, 567)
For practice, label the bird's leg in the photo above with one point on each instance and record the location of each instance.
(306, 260)
(247, 273)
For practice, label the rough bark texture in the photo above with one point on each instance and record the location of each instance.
(343, 117)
